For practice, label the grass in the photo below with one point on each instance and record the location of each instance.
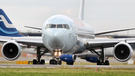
(66, 72)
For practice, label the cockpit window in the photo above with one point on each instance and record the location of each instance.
(52, 26)
(47, 26)
(59, 26)
(66, 26)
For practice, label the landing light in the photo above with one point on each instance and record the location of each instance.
(57, 52)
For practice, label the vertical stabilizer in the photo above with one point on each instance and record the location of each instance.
(81, 13)
(6, 26)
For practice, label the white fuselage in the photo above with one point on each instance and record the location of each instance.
(69, 35)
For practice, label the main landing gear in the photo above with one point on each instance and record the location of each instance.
(39, 55)
(101, 60)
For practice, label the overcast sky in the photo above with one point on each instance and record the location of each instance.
(101, 14)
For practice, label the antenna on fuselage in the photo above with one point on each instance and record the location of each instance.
(81, 13)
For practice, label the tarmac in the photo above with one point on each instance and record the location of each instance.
(111, 60)
(64, 66)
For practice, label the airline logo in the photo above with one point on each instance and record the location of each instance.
(6, 26)
(2, 18)
(80, 23)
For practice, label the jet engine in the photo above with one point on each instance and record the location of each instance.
(11, 50)
(68, 58)
(92, 59)
(123, 51)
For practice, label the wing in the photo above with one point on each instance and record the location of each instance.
(122, 49)
(32, 41)
(112, 31)
(97, 43)
(105, 43)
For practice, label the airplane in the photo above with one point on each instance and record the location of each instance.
(64, 39)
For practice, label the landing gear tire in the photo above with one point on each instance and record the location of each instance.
(35, 61)
(53, 62)
(42, 61)
(99, 62)
(106, 62)
(60, 62)
(70, 63)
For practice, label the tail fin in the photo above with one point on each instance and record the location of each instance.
(81, 13)
(6, 26)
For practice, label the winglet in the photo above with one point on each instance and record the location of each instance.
(81, 13)
(6, 26)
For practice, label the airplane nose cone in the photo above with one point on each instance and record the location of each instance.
(55, 40)
(59, 39)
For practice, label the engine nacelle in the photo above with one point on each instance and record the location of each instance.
(122, 51)
(11, 50)
(92, 59)
(68, 58)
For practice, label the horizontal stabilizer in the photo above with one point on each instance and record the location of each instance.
(32, 27)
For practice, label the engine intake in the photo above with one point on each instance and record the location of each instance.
(122, 52)
(11, 50)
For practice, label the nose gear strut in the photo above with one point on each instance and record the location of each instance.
(56, 60)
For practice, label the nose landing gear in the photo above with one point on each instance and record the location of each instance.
(56, 60)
